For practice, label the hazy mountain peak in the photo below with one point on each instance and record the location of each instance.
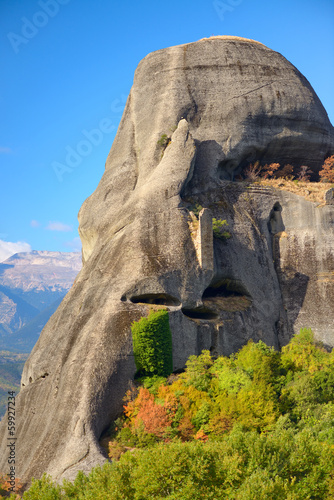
(30, 283)
(40, 270)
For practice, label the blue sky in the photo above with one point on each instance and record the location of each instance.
(68, 67)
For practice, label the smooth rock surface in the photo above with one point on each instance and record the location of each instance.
(329, 196)
(222, 102)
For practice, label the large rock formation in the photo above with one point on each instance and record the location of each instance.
(222, 102)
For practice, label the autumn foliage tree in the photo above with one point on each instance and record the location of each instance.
(268, 171)
(327, 172)
(6, 488)
(144, 411)
(255, 170)
(285, 172)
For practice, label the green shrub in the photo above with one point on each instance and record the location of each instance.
(152, 383)
(303, 353)
(43, 489)
(197, 373)
(218, 229)
(152, 344)
(195, 209)
(163, 141)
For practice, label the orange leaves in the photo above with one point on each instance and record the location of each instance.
(145, 411)
(285, 172)
(201, 436)
(170, 401)
(254, 171)
(131, 406)
(268, 170)
(7, 486)
(327, 172)
(209, 397)
(176, 405)
(256, 389)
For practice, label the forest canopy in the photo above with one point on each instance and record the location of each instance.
(255, 425)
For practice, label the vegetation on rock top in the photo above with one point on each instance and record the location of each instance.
(294, 180)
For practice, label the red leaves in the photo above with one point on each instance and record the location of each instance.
(144, 411)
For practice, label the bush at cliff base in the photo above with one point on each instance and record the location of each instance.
(256, 425)
(152, 344)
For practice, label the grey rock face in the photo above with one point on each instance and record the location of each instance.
(329, 196)
(223, 102)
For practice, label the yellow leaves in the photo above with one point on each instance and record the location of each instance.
(192, 399)
(254, 406)
(220, 423)
(303, 353)
(257, 407)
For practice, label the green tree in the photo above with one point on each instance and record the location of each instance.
(197, 371)
(303, 353)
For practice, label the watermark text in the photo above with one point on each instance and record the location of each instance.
(11, 445)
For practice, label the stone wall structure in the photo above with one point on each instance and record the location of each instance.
(204, 243)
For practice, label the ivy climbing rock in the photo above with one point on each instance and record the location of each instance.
(152, 344)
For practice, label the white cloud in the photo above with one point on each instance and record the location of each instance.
(34, 223)
(58, 226)
(5, 151)
(74, 245)
(8, 248)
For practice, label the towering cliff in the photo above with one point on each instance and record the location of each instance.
(196, 114)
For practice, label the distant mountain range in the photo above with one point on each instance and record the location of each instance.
(32, 285)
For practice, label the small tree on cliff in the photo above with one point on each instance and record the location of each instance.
(327, 171)
(305, 173)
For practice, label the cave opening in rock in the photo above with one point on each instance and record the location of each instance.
(227, 295)
(225, 288)
(200, 313)
(163, 299)
(226, 170)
